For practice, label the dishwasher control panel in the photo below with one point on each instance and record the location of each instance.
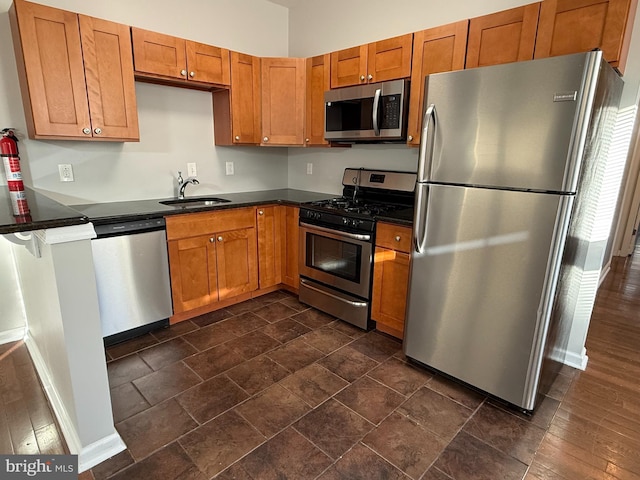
(129, 227)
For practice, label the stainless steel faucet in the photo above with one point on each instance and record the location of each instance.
(182, 184)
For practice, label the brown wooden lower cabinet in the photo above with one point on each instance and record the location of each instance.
(269, 222)
(290, 243)
(391, 278)
(212, 257)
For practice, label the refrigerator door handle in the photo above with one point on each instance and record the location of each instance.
(426, 143)
(420, 221)
(376, 105)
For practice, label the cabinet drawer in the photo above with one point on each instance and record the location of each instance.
(394, 237)
(194, 224)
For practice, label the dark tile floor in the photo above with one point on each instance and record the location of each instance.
(273, 389)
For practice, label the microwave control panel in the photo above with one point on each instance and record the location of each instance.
(391, 107)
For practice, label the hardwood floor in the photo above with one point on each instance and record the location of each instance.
(272, 389)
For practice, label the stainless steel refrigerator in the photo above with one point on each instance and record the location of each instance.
(510, 168)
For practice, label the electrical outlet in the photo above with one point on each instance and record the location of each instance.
(309, 168)
(229, 168)
(66, 172)
(191, 170)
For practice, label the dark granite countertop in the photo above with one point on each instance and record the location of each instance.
(101, 213)
(43, 213)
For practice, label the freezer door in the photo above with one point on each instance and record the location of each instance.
(519, 125)
(482, 285)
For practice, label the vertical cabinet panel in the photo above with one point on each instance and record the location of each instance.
(318, 77)
(269, 225)
(290, 247)
(440, 49)
(569, 26)
(390, 288)
(283, 101)
(503, 37)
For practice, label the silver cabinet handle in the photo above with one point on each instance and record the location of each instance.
(265, 139)
(220, 238)
(398, 238)
(369, 77)
(376, 104)
(362, 78)
(97, 130)
(192, 74)
(183, 73)
(237, 138)
(260, 212)
(212, 240)
(86, 131)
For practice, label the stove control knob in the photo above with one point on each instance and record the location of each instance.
(345, 221)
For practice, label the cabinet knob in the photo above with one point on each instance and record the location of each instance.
(362, 78)
(183, 73)
(369, 77)
(397, 238)
(265, 139)
(192, 74)
(410, 138)
(212, 240)
(220, 238)
(97, 130)
(237, 138)
(86, 131)
(260, 212)
(307, 140)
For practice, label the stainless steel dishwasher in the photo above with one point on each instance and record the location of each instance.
(132, 274)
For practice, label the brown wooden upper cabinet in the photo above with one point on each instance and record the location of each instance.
(283, 101)
(570, 26)
(237, 110)
(158, 56)
(387, 59)
(503, 37)
(318, 77)
(439, 49)
(76, 74)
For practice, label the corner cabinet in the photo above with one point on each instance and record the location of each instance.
(391, 278)
(571, 27)
(237, 110)
(503, 37)
(76, 74)
(283, 101)
(318, 78)
(439, 49)
(163, 57)
(212, 257)
(388, 59)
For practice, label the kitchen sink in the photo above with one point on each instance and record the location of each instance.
(194, 202)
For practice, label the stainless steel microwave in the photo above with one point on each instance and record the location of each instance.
(376, 112)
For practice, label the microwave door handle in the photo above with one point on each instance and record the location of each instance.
(376, 105)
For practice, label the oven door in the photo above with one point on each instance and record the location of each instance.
(337, 259)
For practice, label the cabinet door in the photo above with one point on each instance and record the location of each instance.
(51, 71)
(318, 81)
(389, 59)
(108, 64)
(192, 262)
(283, 101)
(390, 287)
(349, 66)
(237, 262)
(291, 237)
(439, 49)
(158, 54)
(208, 64)
(269, 225)
(502, 37)
(568, 26)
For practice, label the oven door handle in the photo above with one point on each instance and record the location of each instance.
(315, 289)
(355, 236)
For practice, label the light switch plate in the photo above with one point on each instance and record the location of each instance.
(309, 168)
(66, 172)
(229, 168)
(191, 169)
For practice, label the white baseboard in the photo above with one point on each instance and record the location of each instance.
(90, 455)
(577, 361)
(12, 335)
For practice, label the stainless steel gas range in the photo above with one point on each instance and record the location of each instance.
(337, 241)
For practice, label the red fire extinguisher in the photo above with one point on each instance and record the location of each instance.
(11, 160)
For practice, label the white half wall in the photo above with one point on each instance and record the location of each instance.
(12, 317)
